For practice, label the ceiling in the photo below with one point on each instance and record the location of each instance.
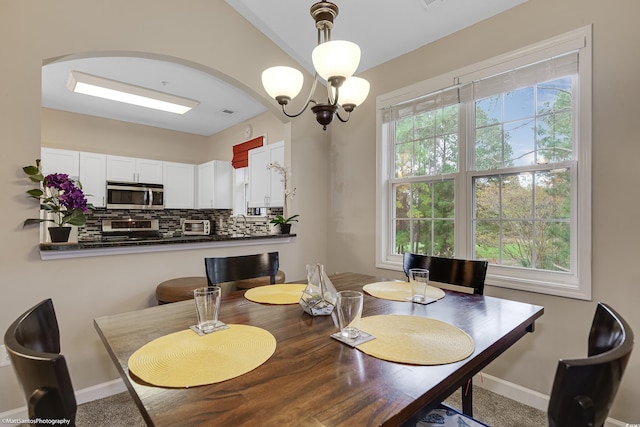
(382, 32)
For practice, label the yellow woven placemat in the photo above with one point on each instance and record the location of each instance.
(398, 291)
(415, 340)
(276, 294)
(185, 359)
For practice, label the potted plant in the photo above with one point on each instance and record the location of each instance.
(285, 223)
(62, 200)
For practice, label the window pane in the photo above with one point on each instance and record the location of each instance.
(423, 157)
(447, 120)
(489, 111)
(443, 234)
(421, 237)
(555, 137)
(487, 241)
(553, 195)
(402, 193)
(404, 130)
(509, 134)
(421, 199)
(401, 237)
(517, 196)
(513, 230)
(404, 159)
(520, 137)
(518, 104)
(427, 144)
(517, 243)
(553, 246)
(424, 217)
(487, 198)
(488, 148)
(554, 95)
(425, 124)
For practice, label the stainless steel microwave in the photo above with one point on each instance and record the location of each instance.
(134, 195)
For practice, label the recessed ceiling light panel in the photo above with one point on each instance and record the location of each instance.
(122, 92)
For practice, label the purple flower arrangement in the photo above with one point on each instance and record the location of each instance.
(59, 195)
(70, 196)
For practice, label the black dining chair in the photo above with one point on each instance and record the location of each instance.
(33, 344)
(583, 389)
(464, 273)
(234, 268)
(452, 271)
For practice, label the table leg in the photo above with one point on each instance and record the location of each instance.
(467, 398)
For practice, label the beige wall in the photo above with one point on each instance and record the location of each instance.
(61, 129)
(563, 329)
(82, 289)
(72, 131)
(333, 171)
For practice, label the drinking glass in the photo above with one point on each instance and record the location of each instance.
(207, 301)
(419, 279)
(349, 306)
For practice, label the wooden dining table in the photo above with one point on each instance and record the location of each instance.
(313, 379)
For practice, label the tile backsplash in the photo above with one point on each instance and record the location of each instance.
(222, 221)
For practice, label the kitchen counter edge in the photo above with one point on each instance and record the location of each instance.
(97, 248)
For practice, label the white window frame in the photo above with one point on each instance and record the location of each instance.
(576, 285)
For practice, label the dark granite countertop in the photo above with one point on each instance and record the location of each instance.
(176, 240)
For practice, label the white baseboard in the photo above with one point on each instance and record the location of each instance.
(499, 386)
(524, 395)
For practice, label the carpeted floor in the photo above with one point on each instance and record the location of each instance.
(498, 411)
(490, 408)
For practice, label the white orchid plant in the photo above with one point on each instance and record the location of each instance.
(289, 193)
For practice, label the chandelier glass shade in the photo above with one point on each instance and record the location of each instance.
(282, 81)
(334, 61)
(336, 58)
(353, 92)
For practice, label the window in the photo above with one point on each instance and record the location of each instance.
(496, 167)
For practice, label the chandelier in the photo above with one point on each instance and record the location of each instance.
(335, 61)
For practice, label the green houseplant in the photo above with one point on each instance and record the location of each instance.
(61, 199)
(285, 223)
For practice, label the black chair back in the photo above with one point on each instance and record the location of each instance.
(227, 269)
(584, 389)
(459, 272)
(33, 344)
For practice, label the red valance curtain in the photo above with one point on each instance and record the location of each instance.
(241, 152)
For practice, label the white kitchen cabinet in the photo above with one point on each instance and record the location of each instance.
(130, 169)
(179, 185)
(265, 185)
(215, 185)
(93, 177)
(240, 191)
(55, 160)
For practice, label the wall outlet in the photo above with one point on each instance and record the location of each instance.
(4, 356)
